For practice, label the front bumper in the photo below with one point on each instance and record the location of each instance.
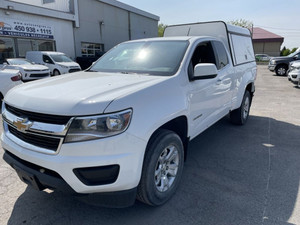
(41, 179)
(294, 76)
(271, 67)
(124, 150)
(35, 75)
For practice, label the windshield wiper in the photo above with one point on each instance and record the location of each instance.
(134, 73)
(91, 70)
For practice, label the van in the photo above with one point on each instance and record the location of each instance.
(58, 62)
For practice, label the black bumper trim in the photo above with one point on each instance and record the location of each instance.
(46, 179)
(31, 174)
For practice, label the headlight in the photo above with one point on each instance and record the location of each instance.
(99, 126)
(66, 67)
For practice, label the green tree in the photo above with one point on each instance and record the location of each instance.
(282, 50)
(242, 23)
(161, 29)
(294, 49)
(285, 51)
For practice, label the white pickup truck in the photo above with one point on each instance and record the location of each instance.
(120, 130)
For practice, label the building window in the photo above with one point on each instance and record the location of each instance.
(91, 49)
(25, 45)
(17, 47)
(7, 49)
(43, 45)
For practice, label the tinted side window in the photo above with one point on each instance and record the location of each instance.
(47, 59)
(222, 58)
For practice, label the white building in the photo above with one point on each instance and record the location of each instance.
(75, 27)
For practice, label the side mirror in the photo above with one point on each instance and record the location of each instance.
(205, 71)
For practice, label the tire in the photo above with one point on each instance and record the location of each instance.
(281, 70)
(1, 100)
(158, 182)
(240, 116)
(56, 72)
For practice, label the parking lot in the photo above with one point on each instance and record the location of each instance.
(233, 175)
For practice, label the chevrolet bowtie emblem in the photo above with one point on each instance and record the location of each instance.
(22, 124)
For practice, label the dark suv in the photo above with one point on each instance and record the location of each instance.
(281, 64)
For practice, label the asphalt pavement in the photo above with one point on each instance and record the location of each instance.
(234, 175)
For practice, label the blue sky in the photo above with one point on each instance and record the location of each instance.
(281, 17)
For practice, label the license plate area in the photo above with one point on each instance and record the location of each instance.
(29, 179)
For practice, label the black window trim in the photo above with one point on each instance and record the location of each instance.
(216, 54)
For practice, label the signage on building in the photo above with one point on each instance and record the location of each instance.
(18, 28)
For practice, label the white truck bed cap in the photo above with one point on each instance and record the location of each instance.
(232, 37)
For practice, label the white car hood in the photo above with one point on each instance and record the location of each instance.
(81, 93)
(32, 67)
(295, 63)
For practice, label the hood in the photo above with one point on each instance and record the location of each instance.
(82, 93)
(69, 64)
(32, 67)
(280, 58)
(295, 64)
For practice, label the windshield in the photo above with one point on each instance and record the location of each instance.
(60, 58)
(161, 58)
(18, 61)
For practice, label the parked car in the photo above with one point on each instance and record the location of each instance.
(58, 62)
(8, 79)
(294, 73)
(281, 64)
(120, 130)
(262, 57)
(28, 70)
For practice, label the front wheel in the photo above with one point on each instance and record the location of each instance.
(281, 70)
(56, 73)
(162, 168)
(240, 115)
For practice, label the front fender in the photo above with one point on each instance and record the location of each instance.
(152, 106)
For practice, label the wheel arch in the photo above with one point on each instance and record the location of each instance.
(178, 125)
(282, 64)
(251, 88)
(55, 69)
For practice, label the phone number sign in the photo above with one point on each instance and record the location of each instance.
(17, 28)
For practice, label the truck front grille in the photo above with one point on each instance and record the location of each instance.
(39, 117)
(49, 143)
(37, 131)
